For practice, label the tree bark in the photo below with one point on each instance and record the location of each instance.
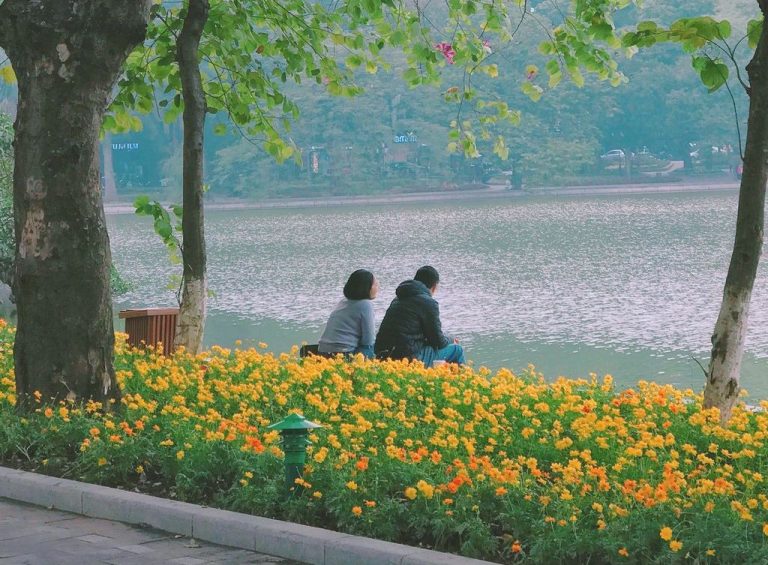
(191, 320)
(67, 56)
(722, 386)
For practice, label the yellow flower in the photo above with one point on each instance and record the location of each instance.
(666, 533)
(317, 494)
(48, 412)
(765, 529)
(102, 461)
(410, 493)
(139, 469)
(180, 454)
(352, 485)
(711, 552)
(356, 510)
(675, 545)
(426, 489)
(623, 552)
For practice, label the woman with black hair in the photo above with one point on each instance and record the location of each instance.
(351, 325)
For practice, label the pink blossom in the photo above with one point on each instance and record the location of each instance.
(447, 50)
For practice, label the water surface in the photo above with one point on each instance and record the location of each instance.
(628, 285)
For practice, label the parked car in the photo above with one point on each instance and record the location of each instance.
(613, 156)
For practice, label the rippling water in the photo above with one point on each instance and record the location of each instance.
(629, 285)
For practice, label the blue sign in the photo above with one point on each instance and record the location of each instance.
(409, 137)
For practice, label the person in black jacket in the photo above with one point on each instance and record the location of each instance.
(411, 326)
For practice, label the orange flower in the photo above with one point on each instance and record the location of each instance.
(675, 545)
(410, 493)
(362, 464)
(623, 552)
(48, 412)
(356, 510)
(665, 533)
(370, 503)
(516, 547)
(501, 491)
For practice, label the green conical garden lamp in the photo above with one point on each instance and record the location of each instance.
(294, 431)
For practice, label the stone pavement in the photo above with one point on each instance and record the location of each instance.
(33, 535)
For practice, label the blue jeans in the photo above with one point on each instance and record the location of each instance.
(366, 350)
(453, 353)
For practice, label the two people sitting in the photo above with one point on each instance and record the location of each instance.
(411, 327)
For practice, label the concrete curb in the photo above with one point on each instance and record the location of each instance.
(242, 531)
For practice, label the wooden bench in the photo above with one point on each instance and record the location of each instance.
(308, 349)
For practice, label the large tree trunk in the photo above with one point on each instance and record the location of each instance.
(191, 320)
(67, 55)
(722, 386)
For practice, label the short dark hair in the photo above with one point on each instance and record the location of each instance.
(359, 285)
(428, 275)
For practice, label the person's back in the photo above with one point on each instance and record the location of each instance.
(411, 327)
(351, 325)
(350, 328)
(412, 315)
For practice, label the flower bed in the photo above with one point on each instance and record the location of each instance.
(504, 467)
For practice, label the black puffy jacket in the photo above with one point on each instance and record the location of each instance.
(411, 322)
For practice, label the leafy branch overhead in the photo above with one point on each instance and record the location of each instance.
(251, 50)
(696, 35)
(166, 226)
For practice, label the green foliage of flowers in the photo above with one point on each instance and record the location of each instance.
(504, 467)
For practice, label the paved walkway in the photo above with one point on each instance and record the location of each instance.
(31, 535)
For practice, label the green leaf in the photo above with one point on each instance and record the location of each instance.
(724, 27)
(7, 75)
(714, 74)
(532, 91)
(754, 29)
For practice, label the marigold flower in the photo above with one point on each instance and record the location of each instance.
(410, 493)
(675, 545)
(362, 464)
(516, 547)
(370, 503)
(352, 485)
(765, 529)
(501, 491)
(426, 489)
(356, 510)
(48, 412)
(102, 461)
(317, 494)
(665, 533)
(623, 552)
(180, 454)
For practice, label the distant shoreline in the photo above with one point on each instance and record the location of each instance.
(488, 192)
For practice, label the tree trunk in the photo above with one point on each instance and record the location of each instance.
(722, 386)
(191, 320)
(67, 55)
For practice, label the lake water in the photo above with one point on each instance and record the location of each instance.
(627, 285)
